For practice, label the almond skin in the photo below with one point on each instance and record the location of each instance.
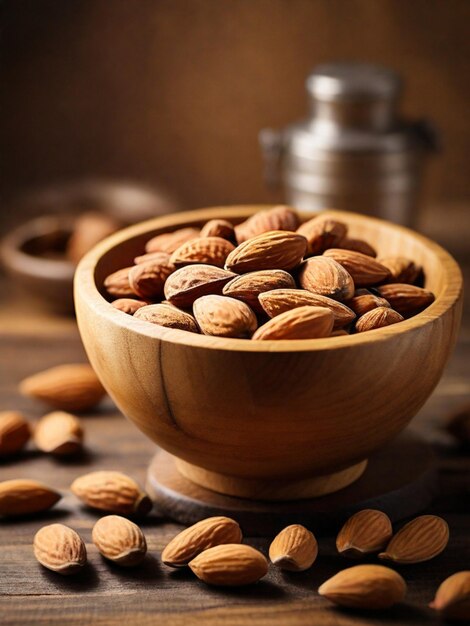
(167, 315)
(60, 549)
(191, 282)
(278, 218)
(117, 284)
(294, 549)
(248, 287)
(402, 270)
(207, 533)
(219, 228)
(111, 491)
(23, 497)
(326, 277)
(147, 279)
(230, 565)
(14, 432)
(119, 540)
(364, 301)
(209, 250)
(358, 245)
(364, 269)
(452, 599)
(274, 250)
(420, 540)
(73, 387)
(169, 242)
(406, 299)
(305, 322)
(128, 305)
(277, 302)
(377, 318)
(366, 532)
(365, 587)
(59, 433)
(222, 316)
(322, 233)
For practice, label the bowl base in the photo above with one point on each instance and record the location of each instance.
(400, 480)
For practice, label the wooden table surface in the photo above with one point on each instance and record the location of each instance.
(152, 594)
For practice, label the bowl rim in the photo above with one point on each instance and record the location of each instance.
(85, 287)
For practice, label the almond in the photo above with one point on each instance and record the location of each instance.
(366, 532)
(117, 284)
(60, 549)
(119, 540)
(452, 599)
(210, 250)
(147, 279)
(274, 250)
(247, 287)
(224, 317)
(277, 302)
(406, 299)
(420, 540)
(402, 270)
(128, 305)
(230, 565)
(167, 315)
(364, 301)
(111, 491)
(377, 318)
(73, 387)
(168, 242)
(322, 233)
(358, 245)
(219, 228)
(89, 228)
(326, 277)
(277, 218)
(188, 283)
(14, 432)
(365, 587)
(305, 322)
(158, 257)
(207, 533)
(364, 269)
(59, 433)
(294, 549)
(22, 497)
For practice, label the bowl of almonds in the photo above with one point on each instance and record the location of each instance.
(270, 351)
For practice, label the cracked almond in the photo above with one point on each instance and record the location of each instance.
(420, 540)
(294, 549)
(366, 532)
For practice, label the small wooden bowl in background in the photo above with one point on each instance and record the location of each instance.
(277, 419)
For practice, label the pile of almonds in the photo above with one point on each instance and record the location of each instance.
(269, 278)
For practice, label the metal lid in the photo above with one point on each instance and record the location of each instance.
(350, 81)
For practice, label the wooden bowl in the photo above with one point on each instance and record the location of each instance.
(278, 419)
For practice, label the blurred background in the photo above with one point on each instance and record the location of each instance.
(172, 94)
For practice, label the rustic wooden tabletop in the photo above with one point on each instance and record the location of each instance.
(151, 594)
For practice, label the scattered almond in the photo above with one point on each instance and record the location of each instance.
(366, 532)
(128, 305)
(147, 279)
(73, 387)
(169, 242)
(377, 318)
(59, 433)
(111, 491)
(358, 245)
(420, 540)
(14, 432)
(305, 322)
(274, 250)
(402, 270)
(219, 228)
(209, 250)
(60, 549)
(207, 533)
(117, 284)
(406, 299)
(247, 287)
(365, 587)
(230, 565)
(294, 549)
(22, 497)
(119, 540)
(326, 277)
(364, 269)
(364, 301)
(452, 599)
(322, 233)
(277, 218)
(167, 315)
(222, 316)
(191, 282)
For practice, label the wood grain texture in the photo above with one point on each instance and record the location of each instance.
(151, 594)
(295, 410)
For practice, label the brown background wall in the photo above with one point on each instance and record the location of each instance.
(176, 90)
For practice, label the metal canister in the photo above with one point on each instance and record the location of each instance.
(354, 152)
